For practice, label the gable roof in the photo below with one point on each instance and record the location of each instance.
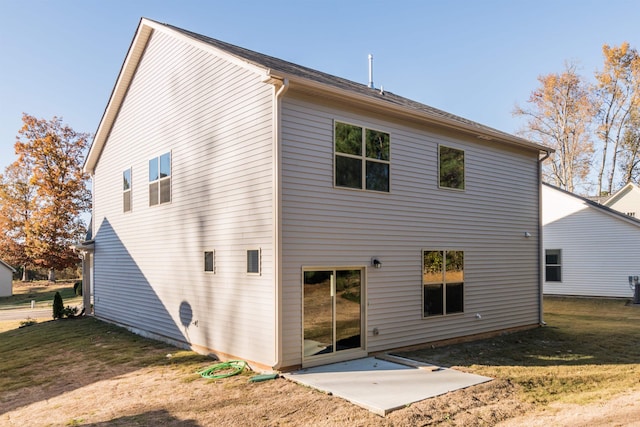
(13, 270)
(621, 193)
(276, 71)
(594, 204)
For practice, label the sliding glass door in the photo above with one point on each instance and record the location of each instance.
(332, 312)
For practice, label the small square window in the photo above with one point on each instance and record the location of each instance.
(253, 261)
(209, 261)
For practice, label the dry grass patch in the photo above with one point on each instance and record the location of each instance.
(86, 372)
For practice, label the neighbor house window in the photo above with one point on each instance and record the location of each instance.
(451, 167)
(253, 261)
(209, 261)
(443, 282)
(362, 158)
(160, 179)
(126, 190)
(553, 265)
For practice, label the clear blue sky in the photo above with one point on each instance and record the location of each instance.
(473, 58)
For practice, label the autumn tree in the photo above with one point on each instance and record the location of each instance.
(51, 154)
(558, 116)
(618, 96)
(17, 202)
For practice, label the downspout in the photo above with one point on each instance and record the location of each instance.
(540, 243)
(280, 87)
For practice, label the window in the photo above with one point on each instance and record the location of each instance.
(160, 179)
(443, 282)
(362, 158)
(209, 261)
(126, 190)
(553, 265)
(253, 261)
(451, 167)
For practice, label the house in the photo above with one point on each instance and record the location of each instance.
(590, 249)
(6, 279)
(625, 200)
(252, 208)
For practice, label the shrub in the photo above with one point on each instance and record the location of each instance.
(58, 306)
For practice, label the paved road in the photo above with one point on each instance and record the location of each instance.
(24, 313)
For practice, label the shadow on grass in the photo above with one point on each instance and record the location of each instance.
(48, 359)
(573, 339)
(151, 418)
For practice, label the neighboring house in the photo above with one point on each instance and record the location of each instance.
(590, 249)
(257, 209)
(625, 200)
(6, 279)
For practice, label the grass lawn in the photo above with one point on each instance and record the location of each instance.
(41, 292)
(86, 372)
(589, 350)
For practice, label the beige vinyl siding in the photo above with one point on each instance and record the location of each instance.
(215, 119)
(627, 201)
(327, 226)
(599, 249)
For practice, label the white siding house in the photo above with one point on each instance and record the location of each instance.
(626, 200)
(6, 279)
(590, 249)
(253, 208)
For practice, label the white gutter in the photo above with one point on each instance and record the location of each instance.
(280, 87)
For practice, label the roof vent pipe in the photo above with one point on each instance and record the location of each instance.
(371, 71)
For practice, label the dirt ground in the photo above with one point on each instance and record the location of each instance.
(170, 397)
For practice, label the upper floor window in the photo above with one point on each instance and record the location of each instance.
(553, 265)
(362, 158)
(126, 190)
(160, 179)
(443, 282)
(451, 167)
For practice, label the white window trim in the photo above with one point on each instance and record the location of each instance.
(553, 282)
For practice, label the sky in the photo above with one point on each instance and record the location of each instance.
(473, 58)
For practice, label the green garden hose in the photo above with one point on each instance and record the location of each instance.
(225, 369)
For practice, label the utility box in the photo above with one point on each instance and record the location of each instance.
(635, 286)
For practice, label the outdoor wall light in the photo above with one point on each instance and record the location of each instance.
(376, 263)
(527, 234)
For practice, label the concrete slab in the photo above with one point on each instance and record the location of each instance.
(382, 386)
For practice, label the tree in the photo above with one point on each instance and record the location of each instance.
(618, 95)
(17, 202)
(51, 154)
(559, 117)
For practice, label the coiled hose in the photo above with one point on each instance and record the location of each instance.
(224, 369)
